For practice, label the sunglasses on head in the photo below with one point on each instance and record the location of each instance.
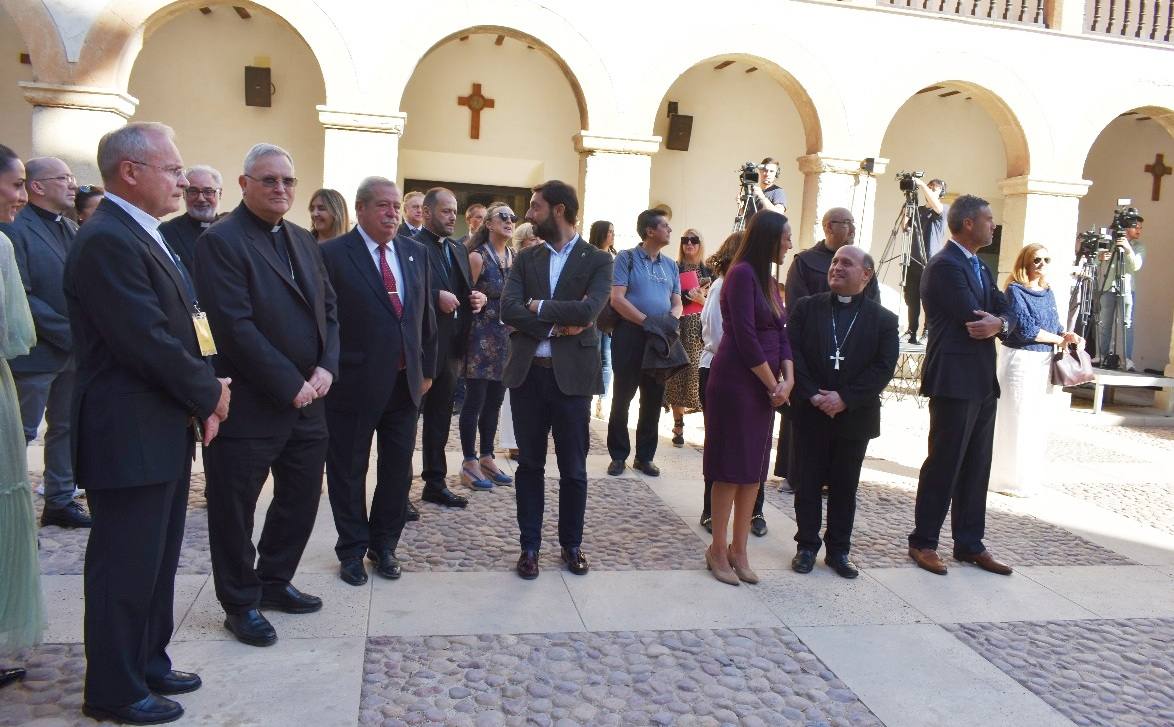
(1045, 260)
(507, 217)
(690, 240)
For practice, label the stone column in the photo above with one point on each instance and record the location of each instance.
(68, 121)
(829, 182)
(357, 145)
(615, 175)
(1040, 210)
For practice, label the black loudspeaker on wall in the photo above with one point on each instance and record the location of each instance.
(258, 86)
(680, 129)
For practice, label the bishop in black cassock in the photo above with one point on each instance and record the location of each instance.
(845, 348)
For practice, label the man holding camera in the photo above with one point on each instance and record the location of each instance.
(928, 237)
(767, 195)
(1118, 287)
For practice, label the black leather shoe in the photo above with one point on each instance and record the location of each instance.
(528, 565)
(444, 496)
(707, 523)
(72, 515)
(803, 561)
(386, 564)
(175, 682)
(647, 468)
(11, 676)
(841, 565)
(413, 513)
(251, 627)
(758, 525)
(576, 561)
(352, 572)
(289, 599)
(616, 468)
(151, 709)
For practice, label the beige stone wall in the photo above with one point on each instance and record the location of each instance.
(15, 129)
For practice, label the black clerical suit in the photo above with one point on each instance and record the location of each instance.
(552, 392)
(140, 382)
(384, 357)
(833, 447)
(272, 312)
(958, 376)
(450, 272)
(181, 233)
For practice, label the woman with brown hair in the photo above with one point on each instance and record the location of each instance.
(1021, 422)
(328, 215)
(751, 375)
(681, 392)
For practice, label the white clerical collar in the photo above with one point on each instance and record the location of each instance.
(149, 222)
(844, 298)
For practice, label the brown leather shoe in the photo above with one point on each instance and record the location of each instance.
(986, 561)
(928, 559)
(528, 565)
(576, 561)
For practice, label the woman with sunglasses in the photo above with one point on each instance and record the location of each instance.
(681, 391)
(489, 266)
(1021, 424)
(328, 215)
(603, 236)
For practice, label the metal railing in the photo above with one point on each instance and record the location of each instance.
(1148, 20)
(1025, 12)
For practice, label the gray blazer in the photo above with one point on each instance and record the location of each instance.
(583, 288)
(41, 260)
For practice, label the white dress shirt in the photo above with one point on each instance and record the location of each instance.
(148, 222)
(558, 261)
(392, 261)
(711, 324)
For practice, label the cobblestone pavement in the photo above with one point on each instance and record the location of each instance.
(748, 677)
(1147, 503)
(484, 536)
(1094, 672)
(884, 517)
(51, 691)
(596, 441)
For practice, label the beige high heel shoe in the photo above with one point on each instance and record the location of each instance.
(725, 575)
(744, 574)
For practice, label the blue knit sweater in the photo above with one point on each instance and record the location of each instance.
(1033, 311)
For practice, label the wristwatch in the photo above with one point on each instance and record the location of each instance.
(1006, 326)
(529, 301)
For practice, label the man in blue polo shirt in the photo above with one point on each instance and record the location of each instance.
(645, 284)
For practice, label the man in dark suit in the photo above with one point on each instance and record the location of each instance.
(552, 297)
(142, 382)
(413, 215)
(845, 348)
(965, 312)
(387, 360)
(455, 302)
(272, 311)
(41, 238)
(202, 198)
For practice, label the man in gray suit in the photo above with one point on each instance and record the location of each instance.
(42, 237)
(552, 297)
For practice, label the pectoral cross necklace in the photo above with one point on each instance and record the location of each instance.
(836, 357)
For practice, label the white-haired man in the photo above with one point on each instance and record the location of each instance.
(202, 198)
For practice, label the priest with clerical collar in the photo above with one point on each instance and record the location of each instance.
(202, 197)
(809, 270)
(845, 349)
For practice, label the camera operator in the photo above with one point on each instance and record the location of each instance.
(767, 195)
(1120, 282)
(928, 237)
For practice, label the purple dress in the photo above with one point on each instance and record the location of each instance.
(738, 414)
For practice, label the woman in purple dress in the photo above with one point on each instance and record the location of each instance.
(750, 376)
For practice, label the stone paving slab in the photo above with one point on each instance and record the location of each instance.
(751, 677)
(884, 517)
(1093, 672)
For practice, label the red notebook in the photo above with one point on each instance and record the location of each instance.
(688, 282)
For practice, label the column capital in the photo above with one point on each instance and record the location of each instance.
(90, 98)
(587, 142)
(362, 121)
(825, 163)
(1047, 187)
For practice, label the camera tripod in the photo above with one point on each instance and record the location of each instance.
(745, 199)
(906, 234)
(1114, 357)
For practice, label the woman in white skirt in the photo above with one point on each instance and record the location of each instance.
(1022, 423)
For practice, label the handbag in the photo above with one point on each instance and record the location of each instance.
(1071, 366)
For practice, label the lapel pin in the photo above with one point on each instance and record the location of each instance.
(411, 259)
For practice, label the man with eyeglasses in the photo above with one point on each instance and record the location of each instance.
(42, 236)
(202, 198)
(413, 220)
(262, 281)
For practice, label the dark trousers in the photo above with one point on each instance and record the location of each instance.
(955, 475)
(130, 567)
(436, 410)
(627, 352)
(482, 407)
(236, 469)
(347, 459)
(707, 498)
(832, 460)
(785, 453)
(540, 408)
(913, 296)
(48, 395)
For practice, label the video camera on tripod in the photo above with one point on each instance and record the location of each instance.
(747, 178)
(1100, 255)
(906, 183)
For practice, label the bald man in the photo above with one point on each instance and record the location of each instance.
(809, 271)
(845, 348)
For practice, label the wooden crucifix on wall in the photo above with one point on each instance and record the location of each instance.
(1158, 170)
(476, 102)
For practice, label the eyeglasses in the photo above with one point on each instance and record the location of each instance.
(1044, 260)
(690, 240)
(507, 217)
(67, 178)
(272, 182)
(850, 223)
(194, 192)
(175, 171)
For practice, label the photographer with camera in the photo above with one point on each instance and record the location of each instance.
(929, 235)
(767, 195)
(1117, 284)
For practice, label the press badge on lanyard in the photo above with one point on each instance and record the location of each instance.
(203, 333)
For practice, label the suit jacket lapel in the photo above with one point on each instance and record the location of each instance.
(408, 271)
(365, 266)
(41, 229)
(264, 245)
(153, 249)
(461, 261)
(542, 272)
(964, 261)
(575, 258)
